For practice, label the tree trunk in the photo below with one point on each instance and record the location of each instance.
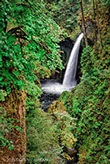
(95, 24)
(15, 108)
(98, 26)
(83, 23)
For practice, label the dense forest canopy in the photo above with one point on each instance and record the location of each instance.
(78, 122)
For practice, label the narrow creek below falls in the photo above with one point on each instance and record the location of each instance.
(53, 88)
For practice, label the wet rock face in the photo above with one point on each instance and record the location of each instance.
(73, 154)
(66, 46)
(90, 29)
(47, 99)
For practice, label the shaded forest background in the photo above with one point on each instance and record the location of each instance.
(78, 122)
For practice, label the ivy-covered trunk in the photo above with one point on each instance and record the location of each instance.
(83, 23)
(14, 129)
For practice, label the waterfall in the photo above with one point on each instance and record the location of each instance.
(69, 80)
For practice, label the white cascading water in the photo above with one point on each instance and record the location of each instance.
(69, 80)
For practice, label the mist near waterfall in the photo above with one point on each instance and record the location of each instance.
(69, 81)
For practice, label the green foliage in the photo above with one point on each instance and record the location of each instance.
(7, 124)
(86, 62)
(106, 2)
(42, 142)
(64, 126)
(89, 103)
(34, 38)
(29, 51)
(65, 14)
(3, 94)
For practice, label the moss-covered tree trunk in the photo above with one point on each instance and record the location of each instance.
(83, 23)
(15, 108)
(95, 23)
(98, 26)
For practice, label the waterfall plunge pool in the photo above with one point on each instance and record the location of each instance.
(69, 80)
(55, 88)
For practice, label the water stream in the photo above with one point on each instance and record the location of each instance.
(69, 80)
(52, 88)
